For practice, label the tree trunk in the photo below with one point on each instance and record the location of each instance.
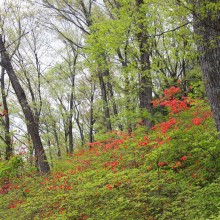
(71, 102)
(9, 149)
(32, 126)
(70, 121)
(127, 88)
(56, 139)
(70, 125)
(105, 102)
(66, 137)
(49, 145)
(111, 93)
(145, 93)
(79, 125)
(208, 27)
(91, 118)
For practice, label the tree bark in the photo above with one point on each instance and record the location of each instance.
(56, 139)
(208, 27)
(9, 149)
(71, 102)
(32, 126)
(91, 118)
(112, 98)
(145, 93)
(49, 145)
(79, 125)
(105, 102)
(70, 124)
(127, 88)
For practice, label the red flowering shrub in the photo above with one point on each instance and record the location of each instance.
(183, 158)
(171, 92)
(162, 164)
(112, 165)
(110, 187)
(167, 125)
(196, 121)
(171, 100)
(176, 105)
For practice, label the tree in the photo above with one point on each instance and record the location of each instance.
(80, 15)
(145, 93)
(206, 16)
(29, 116)
(6, 123)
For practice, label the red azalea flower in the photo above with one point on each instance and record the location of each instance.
(153, 128)
(196, 121)
(12, 206)
(178, 164)
(161, 164)
(183, 158)
(110, 187)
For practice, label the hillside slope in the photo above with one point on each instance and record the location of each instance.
(170, 172)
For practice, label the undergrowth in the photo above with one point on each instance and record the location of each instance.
(169, 172)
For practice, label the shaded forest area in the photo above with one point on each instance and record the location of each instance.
(110, 109)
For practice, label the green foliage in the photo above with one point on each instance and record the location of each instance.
(11, 168)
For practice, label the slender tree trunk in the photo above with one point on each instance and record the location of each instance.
(9, 149)
(56, 139)
(73, 74)
(91, 118)
(30, 149)
(70, 122)
(112, 97)
(145, 93)
(29, 116)
(66, 138)
(105, 103)
(208, 27)
(49, 145)
(50, 152)
(70, 125)
(124, 63)
(79, 125)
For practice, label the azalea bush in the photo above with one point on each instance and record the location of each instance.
(169, 172)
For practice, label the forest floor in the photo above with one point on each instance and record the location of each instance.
(169, 172)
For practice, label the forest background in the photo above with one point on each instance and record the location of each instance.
(109, 102)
